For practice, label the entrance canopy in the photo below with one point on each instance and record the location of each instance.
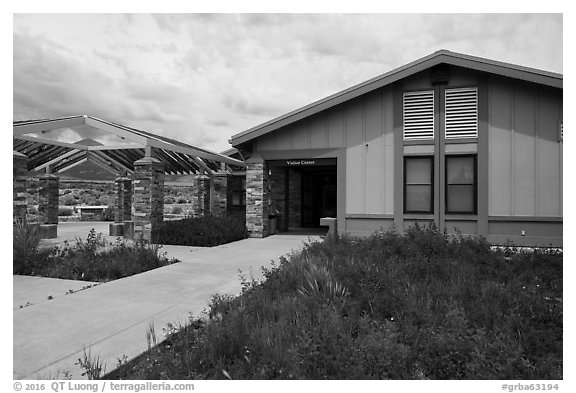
(111, 146)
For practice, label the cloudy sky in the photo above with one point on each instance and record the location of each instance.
(201, 78)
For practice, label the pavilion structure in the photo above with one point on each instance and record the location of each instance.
(139, 159)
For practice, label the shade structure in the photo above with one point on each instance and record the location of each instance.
(125, 146)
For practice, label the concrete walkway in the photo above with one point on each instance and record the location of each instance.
(30, 291)
(111, 319)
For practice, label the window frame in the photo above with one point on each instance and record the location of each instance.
(431, 159)
(475, 184)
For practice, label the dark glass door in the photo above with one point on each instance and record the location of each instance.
(318, 197)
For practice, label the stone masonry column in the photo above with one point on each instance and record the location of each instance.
(219, 194)
(48, 198)
(123, 205)
(201, 203)
(148, 197)
(257, 198)
(20, 170)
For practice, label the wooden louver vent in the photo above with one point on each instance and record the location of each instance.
(419, 115)
(461, 113)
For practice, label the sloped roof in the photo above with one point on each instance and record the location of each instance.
(178, 157)
(442, 56)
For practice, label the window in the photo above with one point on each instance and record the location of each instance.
(418, 184)
(239, 195)
(461, 113)
(461, 184)
(418, 113)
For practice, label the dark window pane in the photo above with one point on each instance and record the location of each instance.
(418, 171)
(236, 198)
(418, 198)
(460, 198)
(460, 170)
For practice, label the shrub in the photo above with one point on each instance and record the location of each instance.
(26, 253)
(181, 199)
(69, 200)
(418, 306)
(96, 259)
(176, 210)
(204, 231)
(108, 214)
(66, 212)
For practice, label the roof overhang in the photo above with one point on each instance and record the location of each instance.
(440, 57)
(44, 153)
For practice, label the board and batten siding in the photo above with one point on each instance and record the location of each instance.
(364, 127)
(525, 156)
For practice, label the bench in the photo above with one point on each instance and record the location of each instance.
(91, 213)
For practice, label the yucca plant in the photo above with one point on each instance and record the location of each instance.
(25, 245)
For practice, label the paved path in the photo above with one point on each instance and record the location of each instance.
(112, 319)
(31, 291)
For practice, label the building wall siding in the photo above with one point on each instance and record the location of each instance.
(524, 152)
(364, 127)
(518, 151)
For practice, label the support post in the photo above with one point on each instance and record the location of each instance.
(257, 197)
(123, 205)
(19, 173)
(201, 201)
(148, 197)
(48, 205)
(219, 192)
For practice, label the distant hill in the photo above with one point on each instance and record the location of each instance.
(87, 171)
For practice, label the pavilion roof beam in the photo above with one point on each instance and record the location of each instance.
(47, 153)
(71, 164)
(192, 151)
(47, 125)
(102, 165)
(104, 157)
(20, 145)
(171, 162)
(190, 168)
(194, 167)
(201, 165)
(115, 147)
(120, 156)
(169, 166)
(56, 160)
(117, 130)
(51, 142)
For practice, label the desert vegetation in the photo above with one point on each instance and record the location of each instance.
(206, 231)
(420, 305)
(92, 259)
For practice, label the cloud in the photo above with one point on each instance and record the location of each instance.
(202, 77)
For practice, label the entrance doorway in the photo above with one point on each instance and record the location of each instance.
(318, 196)
(301, 192)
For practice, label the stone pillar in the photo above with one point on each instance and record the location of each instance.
(219, 194)
(257, 197)
(148, 197)
(20, 194)
(123, 205)
(123, 208)
(201, 201)
(48, 198)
